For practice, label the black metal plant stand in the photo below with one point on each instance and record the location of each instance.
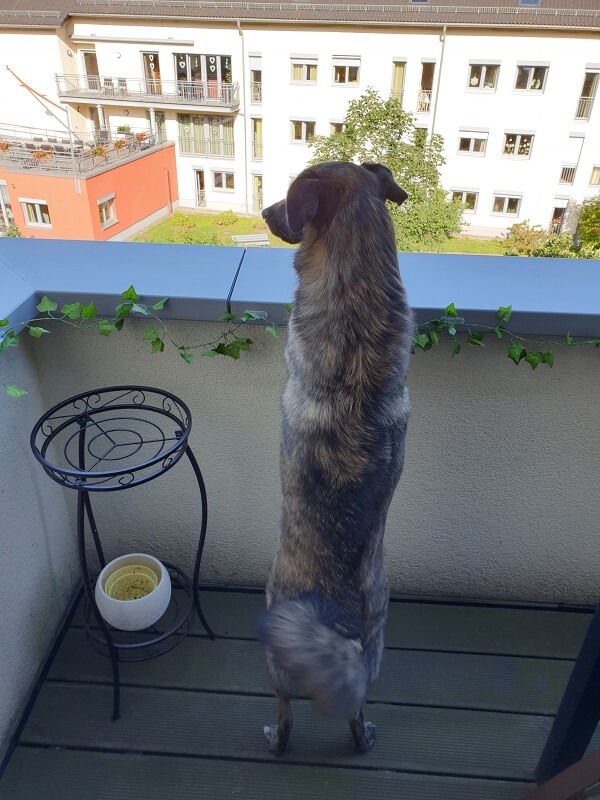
(108, 440)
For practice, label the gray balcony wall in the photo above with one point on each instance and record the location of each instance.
(37, 554)
(498, 495)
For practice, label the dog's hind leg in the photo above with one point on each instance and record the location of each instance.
(363, 732)
(278, 735)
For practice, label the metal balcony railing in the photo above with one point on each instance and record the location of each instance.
(209, 93)
(567, 173)
(200, 198)
(206, 147)
(424, 100)
(257, 150)
(584, 108)
(257, 202)
(255, 92)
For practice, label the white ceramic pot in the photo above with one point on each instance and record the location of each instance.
(134, 615)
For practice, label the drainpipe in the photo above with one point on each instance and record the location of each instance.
(243, 114)
(439, 80)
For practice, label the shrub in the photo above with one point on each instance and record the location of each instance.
(588, 227)
(226, 218)
(182, 220)
(523, 238)
(587, 251)
(197, 237)
(555, 245)
(259, 225)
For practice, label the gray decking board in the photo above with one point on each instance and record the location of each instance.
(429, 626)
(498, 683)
(73, 775)
(410, 739)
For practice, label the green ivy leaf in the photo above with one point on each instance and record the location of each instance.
(150, 333)
(504, 313)
(188, 357)
(455, 348)
(451, 310)
(421, 340)
(37, 332)
(106, 327)
(548, 357)
(89, 311)
(289, 307)
(434, 337)
(247, 315)
(46, 305)
(534, 359)
(498, 330)
(210, 353)
(160, 305)
(3, 323)
(124, 309)
(130, 294)
(14, 391)
(476, 339)
(243, 344)
(71, 310)
(516, 352)
(227, 317)
(272, 330)
(452, 330)
(569, 339)
(140, 309)
(119, 324)
(157, 346)
(8, 340)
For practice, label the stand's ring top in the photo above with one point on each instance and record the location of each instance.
(112, 438)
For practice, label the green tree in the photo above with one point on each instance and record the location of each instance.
(588, 227)
(381, 131)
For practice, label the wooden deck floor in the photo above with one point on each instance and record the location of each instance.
(462, 709)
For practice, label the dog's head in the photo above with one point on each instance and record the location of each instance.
(320, 191)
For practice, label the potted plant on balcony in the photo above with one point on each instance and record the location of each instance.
(119, 144)
(141, 137)
(99, 150)
(40, 155)
(123, 128)
(4, 146)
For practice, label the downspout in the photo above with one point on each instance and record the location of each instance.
(243, 114)
(439, 80)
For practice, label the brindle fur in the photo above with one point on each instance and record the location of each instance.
(344, 417)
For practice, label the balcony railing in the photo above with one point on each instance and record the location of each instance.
(257, 150)
(200, 198)
(257, 202)
(567, 173)
(98, 149)
(584, 108)
(209, 93)
(424, 100)
(256, 92)
(206, 147)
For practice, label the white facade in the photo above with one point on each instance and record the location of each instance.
(504, 188)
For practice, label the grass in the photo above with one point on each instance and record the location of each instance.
(217, 229)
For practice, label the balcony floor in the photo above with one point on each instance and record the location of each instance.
(462, 708)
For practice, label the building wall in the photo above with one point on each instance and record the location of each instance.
(141, 187)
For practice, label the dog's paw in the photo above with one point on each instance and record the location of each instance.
(366, 740)
(276, 744)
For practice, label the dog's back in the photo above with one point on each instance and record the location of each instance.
(344, 412)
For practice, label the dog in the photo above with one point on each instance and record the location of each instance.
(344, 417)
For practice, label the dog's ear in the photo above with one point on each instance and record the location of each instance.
(389, 188)
(302, 202)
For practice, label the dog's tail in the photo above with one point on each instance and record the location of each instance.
(327, 666)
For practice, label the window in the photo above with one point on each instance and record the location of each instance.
(467, 198)
(483, 76)
(206, 136)
(506, 204)
(304, 69)
(106, 209)
(518, 144)
(257, 192)
(36, 213)
(198, 67)
(472, 142)
(336, 127)
(223, 180)
(302, 130)
(587, 96)
(346, 69)
(595, 176)
(257, 147)
(255, 78)
(398, 74)
(6, 213)
(531, 79)
(558, 217)
(424, 96)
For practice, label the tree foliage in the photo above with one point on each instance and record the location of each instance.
(588, 228)
(381, 131)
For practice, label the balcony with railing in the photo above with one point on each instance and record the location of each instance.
(224, 148)
(584, 108)
(113, 90)
(256, 92)
(424, 100)
(567, 173)
(25, 149)
(257, 151)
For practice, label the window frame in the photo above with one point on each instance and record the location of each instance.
(224, 173)
(112, 220)
(464, 192)
(532, 68)
(595, 169)
(346, 63)
(472, 136)
(305, 62)
(484, 67)
(36, 202)
(305, 136)
(207, 121)
(518, 135)
(333, 124)
(506, 197)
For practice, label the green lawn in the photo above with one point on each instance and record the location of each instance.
(195, 228)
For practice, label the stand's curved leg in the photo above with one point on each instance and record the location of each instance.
(196, 578)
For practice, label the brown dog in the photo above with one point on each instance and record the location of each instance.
(344, 409)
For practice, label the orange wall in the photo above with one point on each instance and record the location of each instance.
(141, 187)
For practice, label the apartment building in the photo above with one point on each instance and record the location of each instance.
(240, 89)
